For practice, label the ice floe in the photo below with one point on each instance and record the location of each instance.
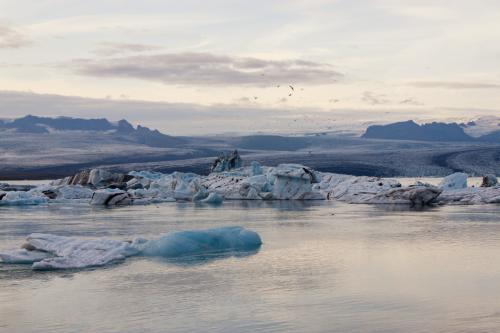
(47, 252)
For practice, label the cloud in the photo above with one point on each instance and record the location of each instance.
(188, 119)
(11, 38)
(411, 101)
(112, 49)
(454, 85)
(208, 69)
(374, 99)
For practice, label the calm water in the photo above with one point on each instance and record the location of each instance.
(323, 267)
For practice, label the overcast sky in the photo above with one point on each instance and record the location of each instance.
(358, 61)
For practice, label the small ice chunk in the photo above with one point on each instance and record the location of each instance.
(201, 194)
(23, 256)
(111, 197)
(213, 198)
(74, 192)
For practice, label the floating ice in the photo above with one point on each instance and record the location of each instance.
(213, 198)
(111, 197)
(454, 181)
(18, 198)
(23, 256)
(46, 252)
(182, 243)
(74, 192)
(255, 182)
(471, 196)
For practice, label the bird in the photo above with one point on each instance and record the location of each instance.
(290, 94)
(291, 87)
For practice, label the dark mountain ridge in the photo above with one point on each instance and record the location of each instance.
(409, 130)
(44, 125)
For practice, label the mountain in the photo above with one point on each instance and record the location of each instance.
(61, 123)
(481, 126)
(491, 137)
(123, 129)
(409, 130)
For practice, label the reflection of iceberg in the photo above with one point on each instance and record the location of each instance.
(46, 251)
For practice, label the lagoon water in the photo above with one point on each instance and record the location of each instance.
(323, 267)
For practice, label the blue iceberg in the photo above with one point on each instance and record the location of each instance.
(47, 252)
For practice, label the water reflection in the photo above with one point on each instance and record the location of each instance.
(205, 258)
(364, 269)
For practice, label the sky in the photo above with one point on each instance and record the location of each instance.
(196, 67)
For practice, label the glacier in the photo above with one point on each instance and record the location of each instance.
(253, 182)
(49, 252)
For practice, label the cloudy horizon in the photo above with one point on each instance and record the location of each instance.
(209, 67)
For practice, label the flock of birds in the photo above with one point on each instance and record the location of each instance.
(292, 91)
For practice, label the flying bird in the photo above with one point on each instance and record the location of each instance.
(291, 87)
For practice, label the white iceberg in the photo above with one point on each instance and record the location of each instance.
(471, 196)
(454, 181)
(74, 192)
(23, 256)
(47, 252)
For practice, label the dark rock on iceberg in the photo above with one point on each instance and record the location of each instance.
(226, 162)
(489, 181)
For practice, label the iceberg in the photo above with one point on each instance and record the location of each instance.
(253, 182)
(74, 192)
(454, 181)
(23, 256)
(471, 196)
(48, 252)
(21, 198)
(183, 243)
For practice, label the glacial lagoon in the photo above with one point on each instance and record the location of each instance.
(323, 267)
